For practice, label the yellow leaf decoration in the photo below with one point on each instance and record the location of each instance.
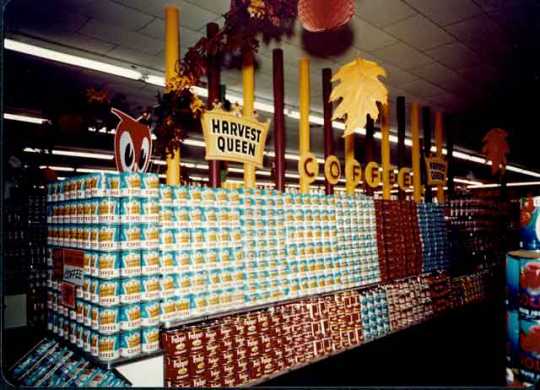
(359, 89)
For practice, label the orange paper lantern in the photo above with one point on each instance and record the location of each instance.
(324, 15)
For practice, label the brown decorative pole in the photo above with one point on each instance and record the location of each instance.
(370, 148)
(401, 138)
(214, 80)
(426, 124)
(451, 128)
(279, 119)
(328, 131)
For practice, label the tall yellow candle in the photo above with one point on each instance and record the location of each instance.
(248, 90)
(303, 131)
(172, 50)
(439, 147)
(415, 135)
(349, 156)
(385, 150)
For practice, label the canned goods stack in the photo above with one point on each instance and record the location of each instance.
(235, 350)
(479, 232)
(50, 365)
(109, 217)
(313, 263)
(408, 302)
(400, 250)
(530, 223)
(440, 291)
(357, 239)
(263, 226)
(523, 316)
(434, 236)
(374, 313)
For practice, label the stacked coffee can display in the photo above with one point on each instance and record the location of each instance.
(434, 236)
(107, 218)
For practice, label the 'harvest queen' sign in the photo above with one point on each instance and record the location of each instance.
(230, 136)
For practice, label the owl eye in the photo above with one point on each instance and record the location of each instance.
(144, 156)
(127, 152)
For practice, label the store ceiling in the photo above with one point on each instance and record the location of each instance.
(448, 55)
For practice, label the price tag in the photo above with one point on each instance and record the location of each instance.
(73, 266)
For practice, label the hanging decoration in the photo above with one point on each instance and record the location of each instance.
(325, 15)
(132, 144)
(358, 92)
(496, 149)
(178, 110)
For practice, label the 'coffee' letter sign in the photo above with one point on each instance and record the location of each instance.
(230, 136)
(132, 144)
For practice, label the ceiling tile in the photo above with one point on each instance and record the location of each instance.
(402, 55)
(135, 57)
(439, 75)
(383, 13)
(397, 76)
(419, 32)
(476, 29)
(115, 14)
(368, 37)
(191, 16)
(446, 12)
(156, 29)
(219, 7)
(121, 37)
(454, 55)
(422, 89)
(480, 74)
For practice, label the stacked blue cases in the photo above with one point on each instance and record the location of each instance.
(374, 313)
(434, 236)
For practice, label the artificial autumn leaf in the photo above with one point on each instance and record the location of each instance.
(496, 148)
(360, 89)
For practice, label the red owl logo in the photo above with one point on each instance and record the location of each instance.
(132, 144)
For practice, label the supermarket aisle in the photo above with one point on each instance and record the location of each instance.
(465, 347)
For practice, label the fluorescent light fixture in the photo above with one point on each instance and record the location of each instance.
(159, 80)
(69, 59)
(194, 142)
(512, 184)
(57, 168)
(470, 182)
(61, 178)
(25, 118)
(70, 153)
(93, 170)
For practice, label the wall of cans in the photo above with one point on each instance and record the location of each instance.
(400, 250)
(114, 219)
(433, 236)
(50, 364)
(249, 348)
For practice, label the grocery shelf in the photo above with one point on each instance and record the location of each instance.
(349, 348)
(107, 365)
(169, 325)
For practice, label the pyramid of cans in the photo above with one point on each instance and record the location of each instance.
(312, 260)
(357, 239)
(374, 313)
(434, 236)
(114, 219)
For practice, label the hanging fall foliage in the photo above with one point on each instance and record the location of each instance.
(496, 148)
(324, 15)
(359, 89)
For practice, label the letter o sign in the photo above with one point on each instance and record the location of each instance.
(332, 170)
